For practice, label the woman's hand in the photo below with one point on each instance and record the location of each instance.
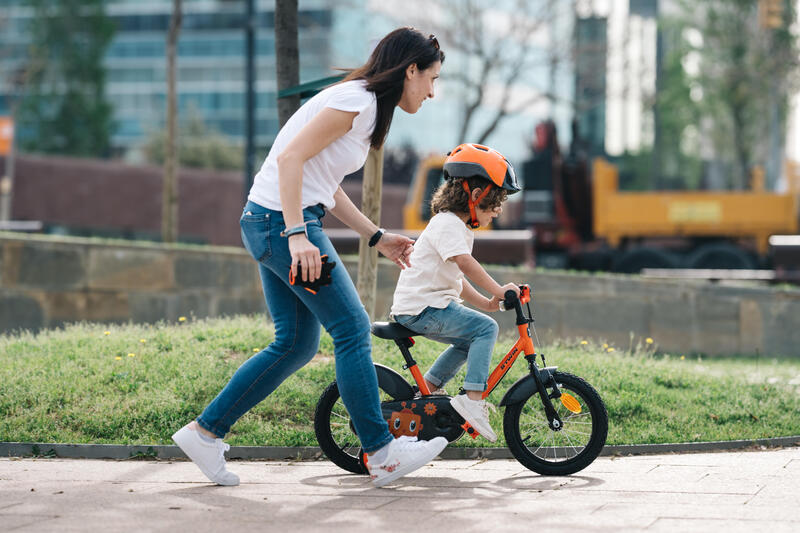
(396, 247)
(305, 253)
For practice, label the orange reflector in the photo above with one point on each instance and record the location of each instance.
(570, 402)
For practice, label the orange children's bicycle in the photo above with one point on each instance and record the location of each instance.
(554, 423)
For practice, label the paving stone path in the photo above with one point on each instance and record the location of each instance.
(754, 490)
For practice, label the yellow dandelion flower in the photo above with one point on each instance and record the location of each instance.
(584, 343)
(106, 333)
(131, 355)
(610, 350)
(142, 341)
(648, 340)
(118, 358)
(181, 319)
(255, 350)
(605, 345)
(683, 357)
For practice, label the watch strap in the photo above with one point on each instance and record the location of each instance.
(376, 237)
(296, 230)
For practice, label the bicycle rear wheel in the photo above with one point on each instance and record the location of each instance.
(335, 431)
(564, 452)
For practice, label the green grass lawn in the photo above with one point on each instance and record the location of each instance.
(136, 384)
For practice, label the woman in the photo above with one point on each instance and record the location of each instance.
(326, 139)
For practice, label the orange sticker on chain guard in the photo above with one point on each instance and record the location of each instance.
(570, 402)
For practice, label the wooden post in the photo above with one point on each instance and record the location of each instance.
(169, 196)
(371, 207)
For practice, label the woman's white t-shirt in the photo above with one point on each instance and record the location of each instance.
(432, 280)
(323, 173)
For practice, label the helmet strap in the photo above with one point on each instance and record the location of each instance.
(473, 219)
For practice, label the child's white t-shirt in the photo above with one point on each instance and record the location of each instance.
(323, 173)
(432, 280)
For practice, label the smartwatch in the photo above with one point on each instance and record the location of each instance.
(376, 237)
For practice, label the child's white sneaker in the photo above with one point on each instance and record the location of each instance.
(208, 456)
(476, 412)
(405, 455)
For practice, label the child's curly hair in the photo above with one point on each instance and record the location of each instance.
(451, 196)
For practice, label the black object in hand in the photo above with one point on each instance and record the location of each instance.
(313, 286)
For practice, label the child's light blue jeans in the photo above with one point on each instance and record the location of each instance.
(471, 336)
(297, 315)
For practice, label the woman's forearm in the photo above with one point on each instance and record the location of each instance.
(346, 211)
(290, 180)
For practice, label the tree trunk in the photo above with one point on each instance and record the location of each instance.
(250, 95)
(287, 57)
(371, 207)
(169, 199)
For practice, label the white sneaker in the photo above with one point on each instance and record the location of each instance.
(405, 455)
(476, 412)
(208, 456)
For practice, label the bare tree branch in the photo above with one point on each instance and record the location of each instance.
(497, 46)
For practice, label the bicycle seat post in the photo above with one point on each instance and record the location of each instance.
(404, 344)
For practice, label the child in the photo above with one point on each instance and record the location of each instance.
(428, 296)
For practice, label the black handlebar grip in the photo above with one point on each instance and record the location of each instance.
(510, 299)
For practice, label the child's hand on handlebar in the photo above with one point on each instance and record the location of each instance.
(508, 287)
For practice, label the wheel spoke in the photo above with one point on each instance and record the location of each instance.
(556, 447)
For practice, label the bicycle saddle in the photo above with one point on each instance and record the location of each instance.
(391, 330)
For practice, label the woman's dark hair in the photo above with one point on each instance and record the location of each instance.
(451, 196)
(385, 72)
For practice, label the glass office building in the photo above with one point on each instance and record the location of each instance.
(211, 70)
(210, 62)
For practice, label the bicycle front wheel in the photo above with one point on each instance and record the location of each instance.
(563, 452)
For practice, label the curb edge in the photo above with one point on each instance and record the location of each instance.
(312, 453)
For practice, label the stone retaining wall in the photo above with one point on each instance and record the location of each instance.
(46, 282)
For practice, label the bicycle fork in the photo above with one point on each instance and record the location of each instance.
(553, 420)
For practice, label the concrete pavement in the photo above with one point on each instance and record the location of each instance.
(728, 491)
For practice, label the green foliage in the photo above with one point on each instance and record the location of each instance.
(136, 384)
(738, 71)
(680, 165)
(199, 146)
(64, 109)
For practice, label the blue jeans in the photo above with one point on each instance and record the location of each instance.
(297, 315)
(471, 336)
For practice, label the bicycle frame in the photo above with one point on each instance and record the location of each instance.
(524, 345)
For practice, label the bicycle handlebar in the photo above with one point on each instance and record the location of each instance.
(510, 301)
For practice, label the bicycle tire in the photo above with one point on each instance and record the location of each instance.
(335, 433)
(537, 447)
(337, 440)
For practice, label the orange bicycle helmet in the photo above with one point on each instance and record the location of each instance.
(470, 160)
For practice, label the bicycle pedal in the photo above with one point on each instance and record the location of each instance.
(471, 431)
